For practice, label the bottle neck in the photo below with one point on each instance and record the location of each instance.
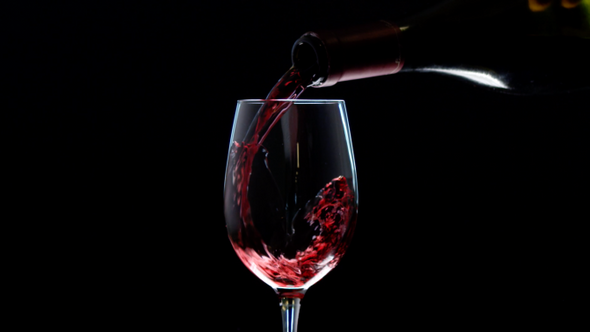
(350, 53)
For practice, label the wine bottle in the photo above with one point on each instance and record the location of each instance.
(516, 46)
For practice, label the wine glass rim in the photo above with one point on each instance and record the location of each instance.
(296, 101)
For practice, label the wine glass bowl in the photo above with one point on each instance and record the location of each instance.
(290, 193)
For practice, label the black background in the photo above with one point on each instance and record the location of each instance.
(118, 121)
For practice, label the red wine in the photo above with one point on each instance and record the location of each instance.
(290, 86)
(310, 243)
(333, 204)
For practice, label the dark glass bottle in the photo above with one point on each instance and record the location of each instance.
(518, 46)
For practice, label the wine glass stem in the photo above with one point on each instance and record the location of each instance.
(290, 312)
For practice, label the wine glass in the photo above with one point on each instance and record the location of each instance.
(290, 193)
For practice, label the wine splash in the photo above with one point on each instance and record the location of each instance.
(323, 221)
(324, 214)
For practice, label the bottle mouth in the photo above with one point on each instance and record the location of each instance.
(310, 56)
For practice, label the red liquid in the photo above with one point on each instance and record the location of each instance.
(331, 206)
(326, 221)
